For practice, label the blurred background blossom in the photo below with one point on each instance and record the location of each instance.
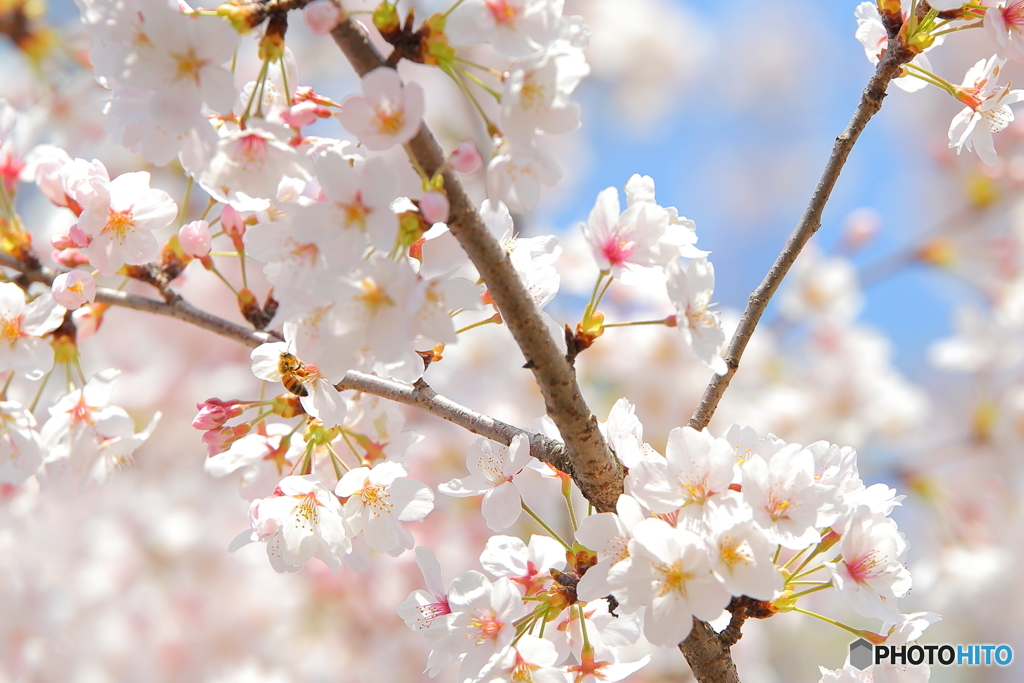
(898, 333)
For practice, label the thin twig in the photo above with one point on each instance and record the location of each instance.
(870, 102)
(177, 307)
(594, 467)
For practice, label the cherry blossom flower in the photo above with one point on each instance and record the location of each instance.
(741, 552)
(608, 535)
(85, 437)
(1004, 27)
(321, 400)
(481, 623)
(526, 566)
(493, 468)
(530, 660)
(536, 93)
(871, 574)
(668, 571)
(74, 289)
(641, 238)
(250, 163)
(183, 56)
(22, 326)
(21, 453)
(357, 205)
(872, 35)
(690, 291)
(987, 111)
(422, 609)
(121, 218)
(300, 521)
(257, 459)
(786, 501)
(515, 28)
(378, 500)
(388, 113)
(516, 172)
(625, 434)
(696, 470)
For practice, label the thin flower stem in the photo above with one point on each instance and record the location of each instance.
(252, 95)
(472, 98)
(223, 279)
(793, 559)
(492, 71)
(184, 201)
(663, 321)
(583, 626)
(959, 28)
(78, 366)
(416, 165)
(284, 80)
(7, 384)
(336, 460)
(493, 319)
(567, 494)
(452, 8)
(209, 205)
(546, 528)
(592, 304)
(604, 291)
(39, 394)
(806, 573)
(818, 587)
(483, 86)
(826, 619)
(778, 551)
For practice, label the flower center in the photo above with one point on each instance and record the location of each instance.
(120, 223)
(673, 578)
(189, 66)
(865, 567)
(375, 497)
(485, 626)
(10, 329)
(503, 11)
(733, 552)
(374, 297)
(390, 118)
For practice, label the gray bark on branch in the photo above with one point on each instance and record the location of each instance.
(593, 466)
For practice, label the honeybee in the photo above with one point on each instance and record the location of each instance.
(293, 372)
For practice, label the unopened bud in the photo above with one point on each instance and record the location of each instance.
(466, 158)
(70, 258)
(434, 207)
(195, 238)
(321, 16)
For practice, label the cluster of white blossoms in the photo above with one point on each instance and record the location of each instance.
(710, 522)
(365, 276)
(986, 103)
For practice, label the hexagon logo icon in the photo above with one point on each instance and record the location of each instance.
(861, 654)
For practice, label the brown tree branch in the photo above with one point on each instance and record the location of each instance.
(870, 102)
(176, 307)
(708, 653)
(594, 467)
(419, 395)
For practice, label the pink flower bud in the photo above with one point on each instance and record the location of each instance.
(321, 16)
(195, 238)
(214, 413)
(74, 288)
(465, 158)
(434, 207)
(301, 114)
(78, 236)
(70, 258)
(62, 242)
(232, 223)
(219, 440)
